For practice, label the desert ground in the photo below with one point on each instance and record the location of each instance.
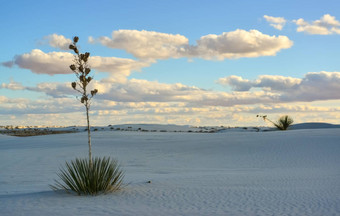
(207, 171)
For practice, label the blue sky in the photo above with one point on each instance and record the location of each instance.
(177, 62)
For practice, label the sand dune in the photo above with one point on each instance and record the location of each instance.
(293, 172)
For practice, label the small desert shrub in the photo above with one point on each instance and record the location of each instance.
(104, 176)
(284, 122)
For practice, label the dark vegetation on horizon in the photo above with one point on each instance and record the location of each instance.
(33, 132)
(282, 123)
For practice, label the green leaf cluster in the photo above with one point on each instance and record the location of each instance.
(82, 178)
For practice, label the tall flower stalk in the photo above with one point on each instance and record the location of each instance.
(87, 176)
(82, 70)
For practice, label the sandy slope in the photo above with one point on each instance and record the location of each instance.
(237, 173)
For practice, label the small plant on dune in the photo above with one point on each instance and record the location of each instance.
(103, 176)
(87, 176)
(282, 123)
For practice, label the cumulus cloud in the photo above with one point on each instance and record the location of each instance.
(239, 43)
(326, 25)
(12, 85)
(57, 41)
(145, 44)
(26, 106)
(313, 86)
(269, 82)
(53, 112)
(288, 108)
(136, 90)
(144, 91)
(56, 89)
(139, 99)
(237, 83)
(53, 63)
(45, 63)
(316, 86)
(276, 22)
(118, 68)
(277, 83)
(234, 44)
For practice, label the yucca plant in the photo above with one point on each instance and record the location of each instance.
(82, 178)
(87, 176)
(282, 123)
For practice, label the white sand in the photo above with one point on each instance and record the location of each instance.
(293, 172)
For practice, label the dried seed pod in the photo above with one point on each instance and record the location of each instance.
(81, 68)
(74, 85)
(87, 71)
(83, 99)
(94, 92)
(89, 79)
(82, 78)
(72, 47)
(75, 39)
(76, 50)
(86, 56)
(73, 67)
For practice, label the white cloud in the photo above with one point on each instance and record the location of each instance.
(235, 44)
(276, 22)
(277, 83)
(118, 68)
(312, 87)
(239, 43)
(57, 41)
(53, 63)
(135, 90)
(15, 106)
(145, 44)
(287, 108)
(237, 83)
(6, 100)
(104, 112)
(45, 63)
(12, 85)
(268, 82)
(149, 101)
(56, 90)
(326, 25)
(316, 86)
(152, 91)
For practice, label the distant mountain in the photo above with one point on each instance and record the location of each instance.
(313, 125)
